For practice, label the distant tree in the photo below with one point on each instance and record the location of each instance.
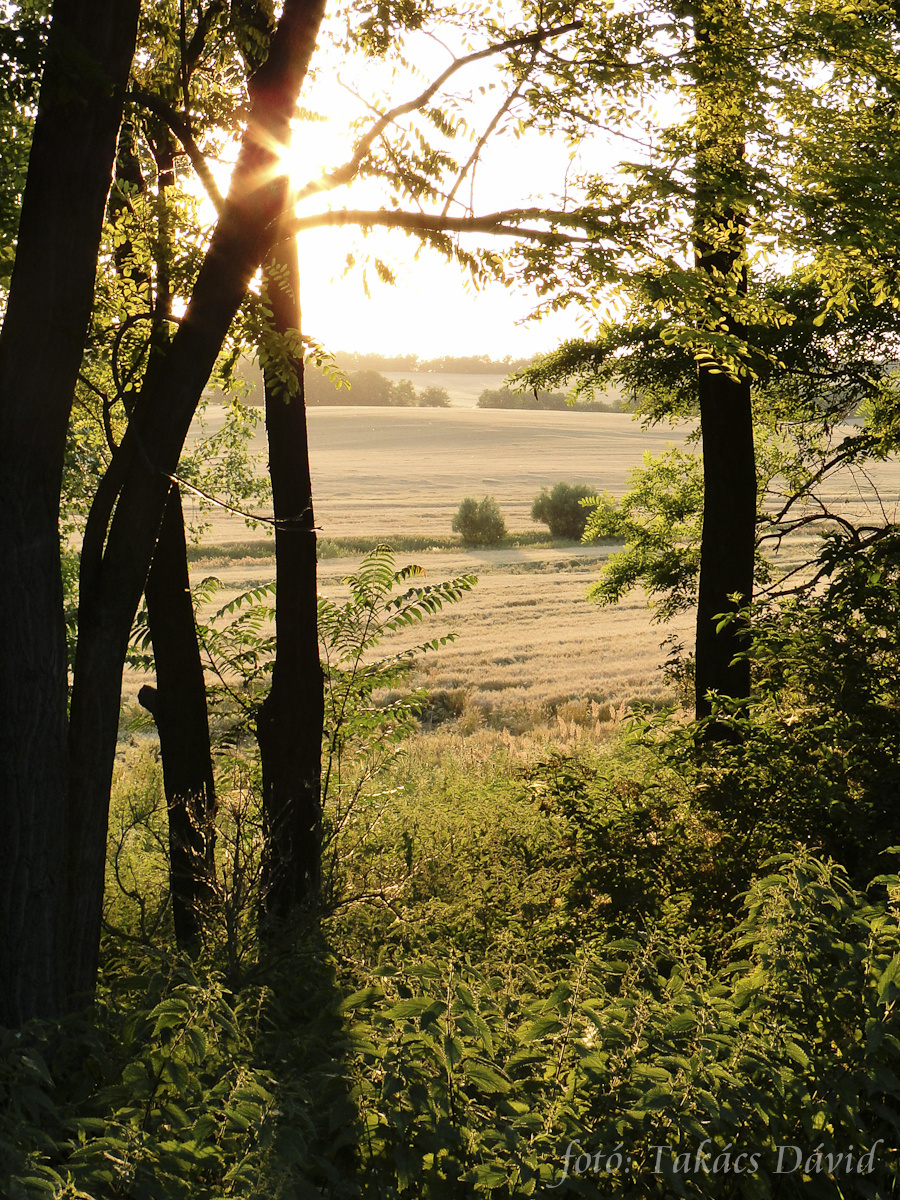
(540, 401)
(561, 509)
(353, 361)
(403, 394)
(434, 397)
(479, 523)
(478, 364)
(368, 388)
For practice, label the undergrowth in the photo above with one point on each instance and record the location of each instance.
(665, 966)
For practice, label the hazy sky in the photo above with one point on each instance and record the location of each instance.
(433, 309)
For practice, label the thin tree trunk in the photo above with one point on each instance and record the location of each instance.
(178, 705)
(289, 723)
(127, 511)
(726, 423)
(89, 54)
(178, 702)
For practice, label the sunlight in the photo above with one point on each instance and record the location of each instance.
(315, 148)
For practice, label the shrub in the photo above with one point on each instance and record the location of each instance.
(561, 509)
(403, 394)
(640, 1054)
(434, 397)
(479, 523)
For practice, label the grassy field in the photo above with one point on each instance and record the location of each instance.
(379, 471)
(530, 650)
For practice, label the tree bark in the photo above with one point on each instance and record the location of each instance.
(124, 522)
(729, 535)
(178, 705)
(89, 54)
(729, 464)
(178, 702)
(289, 722)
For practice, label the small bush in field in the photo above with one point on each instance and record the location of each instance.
(479, 523)
(561, 509)
(434, 397)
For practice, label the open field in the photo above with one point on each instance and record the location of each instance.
(530, 647)
(529, 644)
(386, 470)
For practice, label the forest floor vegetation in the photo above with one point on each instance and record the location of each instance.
(532, 951)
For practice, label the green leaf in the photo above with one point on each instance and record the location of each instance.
(542, 1027)
(485, 1077)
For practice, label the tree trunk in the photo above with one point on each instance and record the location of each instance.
(124, 522)
(51, 293)
(178, 705)
(729, 464)
(289, 723)
(729, 535)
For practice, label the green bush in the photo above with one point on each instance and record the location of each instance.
(611, 1077)
(562, 510)
(434, 397)
(479, 523)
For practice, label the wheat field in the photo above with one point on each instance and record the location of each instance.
(530, 648)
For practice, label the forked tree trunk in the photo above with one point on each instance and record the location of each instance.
(178, 705)
(289, 722)
(51, 293)
(128, 508)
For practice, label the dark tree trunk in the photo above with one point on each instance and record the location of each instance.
(289, 723)
(729, 535)
(178, 705)
(726, 423)
(128, 508)
(178, 702)
(51, 293)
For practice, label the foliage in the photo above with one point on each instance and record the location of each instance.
(467, 1082)
(642, 850)
(455, 852)
(561, 509)
(161, 1093)
(659, 518)
(541, 401)
(479, 522)
(237, 642)
(434, 397)
(365, 715)
(534, 968)
(816, 750)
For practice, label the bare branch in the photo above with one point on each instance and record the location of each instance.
(479, 145)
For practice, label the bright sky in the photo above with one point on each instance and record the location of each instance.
(434, 308)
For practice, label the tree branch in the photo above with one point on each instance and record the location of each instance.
(181, 129)
(495, 223)
(345, 173)
(479, 146)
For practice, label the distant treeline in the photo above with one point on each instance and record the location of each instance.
(370, 388)
(547, 401)
(478, 364)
